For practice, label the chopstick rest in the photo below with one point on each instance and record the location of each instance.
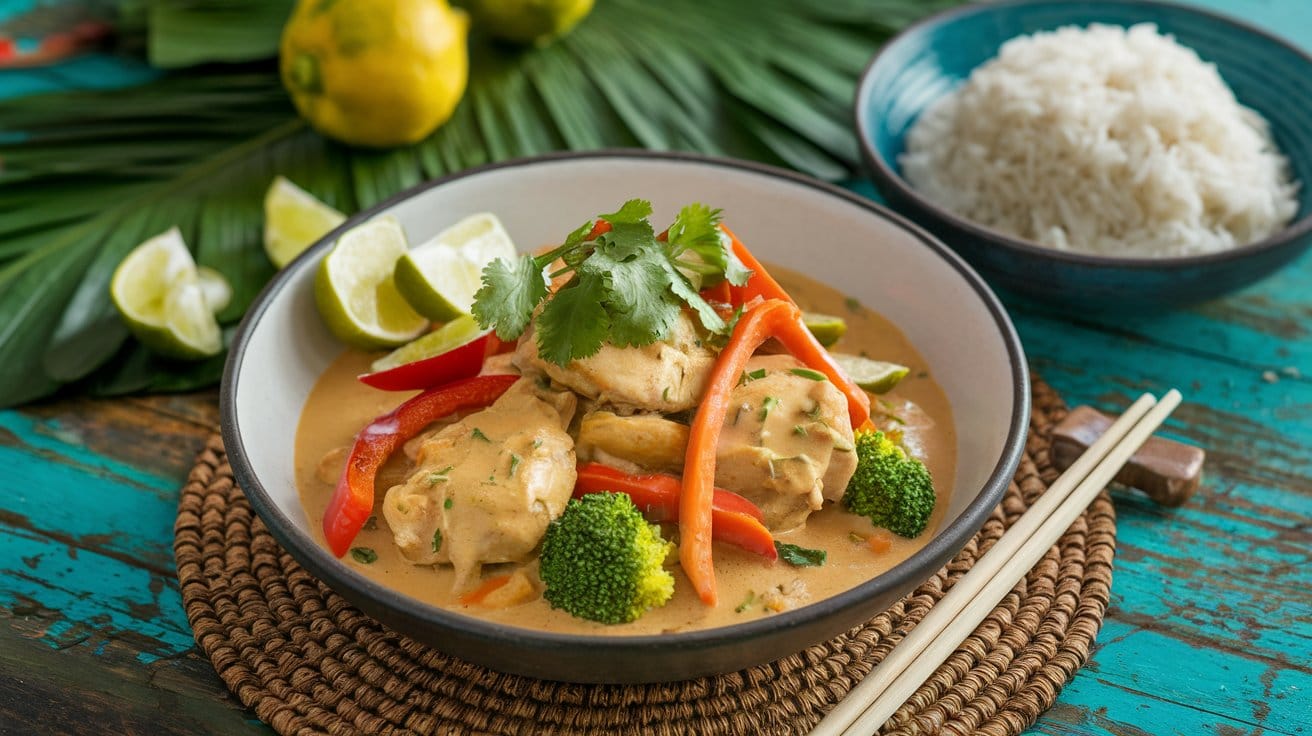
(1168, 471)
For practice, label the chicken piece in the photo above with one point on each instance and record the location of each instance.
(667, 376)
(642, 442)
(787, 442)
(485, 488)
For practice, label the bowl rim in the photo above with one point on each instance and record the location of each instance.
(884, 174)
(947, 542)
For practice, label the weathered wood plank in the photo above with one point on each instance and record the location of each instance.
(101, 687)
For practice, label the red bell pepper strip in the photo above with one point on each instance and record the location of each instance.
(435, 370)
(734, 519)
(353, 499)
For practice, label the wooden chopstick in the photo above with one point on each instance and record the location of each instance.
(973, 597)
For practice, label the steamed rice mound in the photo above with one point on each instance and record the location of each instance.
(1106, 140)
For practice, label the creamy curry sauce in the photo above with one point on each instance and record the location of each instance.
(338, 406)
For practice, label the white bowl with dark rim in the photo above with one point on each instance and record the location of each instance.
(856, 246)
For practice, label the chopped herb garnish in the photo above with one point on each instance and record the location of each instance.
(814, 411)
(447, 504)
(478, 435)
(747, 602)
(364, 555)
(767, 404)
(537, 444)
(809, 374)
(749, 376)
(800, 556)
(856, 538)
(665, 394)
(370, 524)
(853, 304)
(437, 540)
(514, 464)
(922, 374)
(738, 414)
(799, 430)
(440, 476)
(624, 287)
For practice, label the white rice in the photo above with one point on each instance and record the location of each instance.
(1105, 140)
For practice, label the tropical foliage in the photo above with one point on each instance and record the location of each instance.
(85, 176)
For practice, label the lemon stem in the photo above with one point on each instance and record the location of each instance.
(305, 73)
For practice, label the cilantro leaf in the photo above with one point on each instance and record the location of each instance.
(706, 314)
(800, 556)
(697, 229)
(510, 293)
(574, 324)
(632, 211)
(624, 287)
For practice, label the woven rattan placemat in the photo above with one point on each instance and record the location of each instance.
(307, 661)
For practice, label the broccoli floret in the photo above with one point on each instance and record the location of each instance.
(602, 561)
(889, 487)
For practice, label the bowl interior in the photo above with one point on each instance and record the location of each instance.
(932, 59)
(927, 291)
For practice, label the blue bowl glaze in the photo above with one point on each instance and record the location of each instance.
(931, 58)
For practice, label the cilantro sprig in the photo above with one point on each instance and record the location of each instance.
(624, 287)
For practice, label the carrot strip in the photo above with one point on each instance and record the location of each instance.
(761, 283)
(800, 342)
(695, 504)
(483, 591)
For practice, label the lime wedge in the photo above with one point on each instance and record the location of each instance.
(826, 327)
(444, 339)
(354, 289)
(217, 291)
(159, 294)
(871, 375)
(440, 277)
(294, 220)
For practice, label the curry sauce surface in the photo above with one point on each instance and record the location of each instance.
(339, 406)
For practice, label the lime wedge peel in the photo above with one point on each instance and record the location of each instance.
(876, 376)
(355, 293)
(444, 339)
(160, 295)
(440, 277)
(827, 328)
(293, 220)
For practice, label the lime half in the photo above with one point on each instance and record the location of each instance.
(294, 220)
(217, 291)
(355, 292)
(440, 277)
(159, 294)
(826, 327)
(872, 375)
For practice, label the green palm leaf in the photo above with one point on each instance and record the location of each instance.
(87, 176)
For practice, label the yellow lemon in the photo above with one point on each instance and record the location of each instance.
(529, 21)
(375, 72)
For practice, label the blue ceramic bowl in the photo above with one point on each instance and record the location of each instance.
(931, 58)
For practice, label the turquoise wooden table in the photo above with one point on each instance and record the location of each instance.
(1210, 626)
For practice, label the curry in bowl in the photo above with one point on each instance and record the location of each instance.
(648, 439)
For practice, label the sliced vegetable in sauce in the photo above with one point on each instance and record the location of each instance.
(364, 555)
